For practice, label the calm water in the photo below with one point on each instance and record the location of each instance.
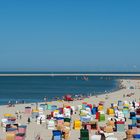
(33, 89)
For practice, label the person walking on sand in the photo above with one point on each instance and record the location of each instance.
(20, 116)
(17, 115)
(41, 120)
(29, 120)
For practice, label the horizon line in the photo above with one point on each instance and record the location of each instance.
(72, 74)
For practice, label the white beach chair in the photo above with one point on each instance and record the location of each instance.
(96, 137)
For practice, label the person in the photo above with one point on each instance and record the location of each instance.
(125, 119)
(41, 120)
(36, 117)
(17, 115)
(115, 129)
(133, 104)
(20, 116)
(9, 102)
(71, 111)
(29, 120)
(22, 101)
(45, 99)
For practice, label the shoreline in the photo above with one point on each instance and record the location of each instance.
(112, 97)
(118, 87)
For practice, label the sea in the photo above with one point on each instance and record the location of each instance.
(34, 88)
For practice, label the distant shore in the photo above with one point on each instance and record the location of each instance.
(71, 74)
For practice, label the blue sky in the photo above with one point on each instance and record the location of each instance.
(70, 35)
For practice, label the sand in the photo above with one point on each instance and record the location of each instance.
(33, 128)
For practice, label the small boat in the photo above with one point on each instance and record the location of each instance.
(85, 78)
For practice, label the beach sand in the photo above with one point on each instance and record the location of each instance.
(33, 128)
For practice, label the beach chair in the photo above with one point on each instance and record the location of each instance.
(133, 128)
(22, 129)
(129, 134)
(88, 110)
(60, 121)
(10, 136)
(120, 103)
(66, 133)
(66, 124)
(79, 107)
(35, 113)
(94, 110)
(134, 120)
(85, 118)
(77, 125)
(97, 115)
(120, 126)
(48, 106)
(84, 134)
(138, 123)
(57, 135)
(67, 112)
(136, 137)
(138, 111)
(108, 129)
(53, 107)
(132, 114)
(28, 110)
(96, 137)
(20, 136)
(111, 123)
(83, 112)
(90, 125)
(110, 111)
(55, 113)
(67, 120)
(100, 108)
(94, 125)
(125, 110)
(51, 124)
(43, 106)
(12, 130)
(102, 117)
(84, 104)
(59, 127)
(61, 110)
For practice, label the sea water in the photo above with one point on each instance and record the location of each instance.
(35, 88)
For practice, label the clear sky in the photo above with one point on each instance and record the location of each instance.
(70, 34)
